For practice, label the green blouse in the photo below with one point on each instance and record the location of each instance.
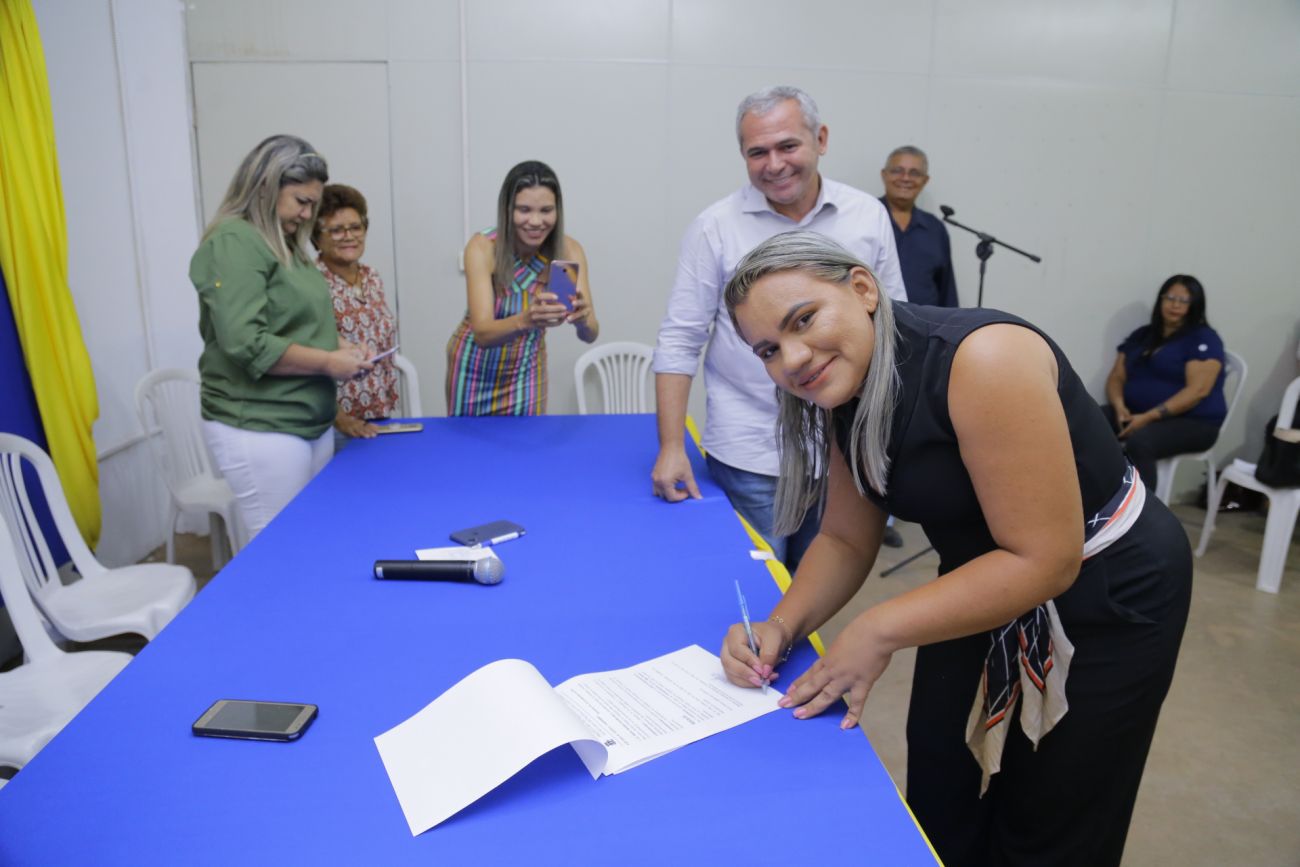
(250, 309)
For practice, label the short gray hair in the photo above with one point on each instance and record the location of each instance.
(803, 428)
(762, 101)
(276, 162)
(909, 151)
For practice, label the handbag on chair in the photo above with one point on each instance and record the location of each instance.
(1279, 463)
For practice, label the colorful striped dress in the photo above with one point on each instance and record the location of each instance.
(509, 379)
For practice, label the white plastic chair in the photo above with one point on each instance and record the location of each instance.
(1233, 387)
(625, 378)
(169, 398)
(138, 599)
(38, 698)
(410, 387)
(1283, 507)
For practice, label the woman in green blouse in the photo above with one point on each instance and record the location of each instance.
(271, 352)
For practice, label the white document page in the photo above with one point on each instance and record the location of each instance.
(643, 712)
(491, 724)
(456, 552)
(473, 738)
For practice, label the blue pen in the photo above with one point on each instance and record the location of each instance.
(749, 630)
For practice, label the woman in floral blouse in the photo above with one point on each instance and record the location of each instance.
(360, 310)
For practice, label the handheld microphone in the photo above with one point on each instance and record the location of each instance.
(946, 211)
(487, 570)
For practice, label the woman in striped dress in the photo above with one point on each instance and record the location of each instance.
(496, 359)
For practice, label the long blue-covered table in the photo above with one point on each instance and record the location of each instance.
(606, 577)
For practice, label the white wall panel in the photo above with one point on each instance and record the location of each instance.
(427, 286)
(704, 161)
(868, 115)
(1061, 170)
(611, 157)
(151, 38)
(629, 30)
(1243, 47)
(762, 34)
(423, 30)
(1100, 41)
(287, 30)
(323, 29)
(102, 270)
(704, 164)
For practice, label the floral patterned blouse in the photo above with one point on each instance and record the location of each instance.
(363, 316)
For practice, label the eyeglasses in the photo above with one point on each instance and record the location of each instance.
(339, 232)
(1180, 300)
(900, 172)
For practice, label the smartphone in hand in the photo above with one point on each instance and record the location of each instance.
(564, 281)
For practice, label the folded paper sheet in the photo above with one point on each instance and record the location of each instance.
(497, 720)
(456, 552)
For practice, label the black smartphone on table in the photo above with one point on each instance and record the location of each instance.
(255, 720)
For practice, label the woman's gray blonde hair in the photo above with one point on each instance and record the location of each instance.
(255, 190)
(803, 428)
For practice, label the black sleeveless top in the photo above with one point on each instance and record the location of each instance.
(928, 483)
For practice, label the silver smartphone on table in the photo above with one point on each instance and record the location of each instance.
(393, 427)
(491, 533)
(255, 720)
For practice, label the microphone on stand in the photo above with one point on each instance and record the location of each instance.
(487, 570)
(946, 211)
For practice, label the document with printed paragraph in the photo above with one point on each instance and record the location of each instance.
(497, 720)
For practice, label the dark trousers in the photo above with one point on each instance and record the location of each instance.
(1068, 804)
(1163, 439)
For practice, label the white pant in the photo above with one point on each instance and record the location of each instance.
(265, 470)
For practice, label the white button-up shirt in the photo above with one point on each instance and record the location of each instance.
(740, 429)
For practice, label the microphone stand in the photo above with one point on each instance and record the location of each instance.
(983, 250)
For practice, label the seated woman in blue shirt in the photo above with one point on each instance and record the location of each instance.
(1165, 392)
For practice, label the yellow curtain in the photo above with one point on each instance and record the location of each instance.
(34, 258)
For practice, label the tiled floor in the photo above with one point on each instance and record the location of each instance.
(1222, 785)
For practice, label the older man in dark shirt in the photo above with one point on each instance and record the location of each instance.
(924, 251)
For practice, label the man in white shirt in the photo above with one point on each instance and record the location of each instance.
(781, 139)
